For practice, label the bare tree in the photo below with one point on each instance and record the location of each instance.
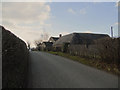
(37, 44)
(44, 36)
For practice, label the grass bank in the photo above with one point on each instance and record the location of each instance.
(111, 68)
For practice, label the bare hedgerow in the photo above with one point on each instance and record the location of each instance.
(108, 49)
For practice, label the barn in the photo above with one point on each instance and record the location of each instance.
(78, 38)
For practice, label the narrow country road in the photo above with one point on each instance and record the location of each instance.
(51, 71)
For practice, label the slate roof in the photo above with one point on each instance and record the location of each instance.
(79, 38)
(55, 38)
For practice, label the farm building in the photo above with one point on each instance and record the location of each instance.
(46, 46)
(53, 39)
(78, 38)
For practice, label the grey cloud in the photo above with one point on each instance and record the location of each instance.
(26, 19)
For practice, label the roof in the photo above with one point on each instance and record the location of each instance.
(48, 43)
(79, 38)
(54, 38)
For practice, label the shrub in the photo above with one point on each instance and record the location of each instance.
(14, 61)
(65, 47)
(109, 49)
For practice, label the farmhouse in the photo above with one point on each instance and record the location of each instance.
(78, 38)
(53, 39)
(46, 46)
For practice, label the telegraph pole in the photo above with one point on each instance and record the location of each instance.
(111, 31)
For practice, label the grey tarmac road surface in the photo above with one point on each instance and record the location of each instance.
(51, 71)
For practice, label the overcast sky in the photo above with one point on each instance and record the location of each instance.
(31, 20)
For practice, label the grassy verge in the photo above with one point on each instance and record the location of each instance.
(111, 68)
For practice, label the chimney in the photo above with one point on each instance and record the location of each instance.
(111, 31)
(60, 35)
